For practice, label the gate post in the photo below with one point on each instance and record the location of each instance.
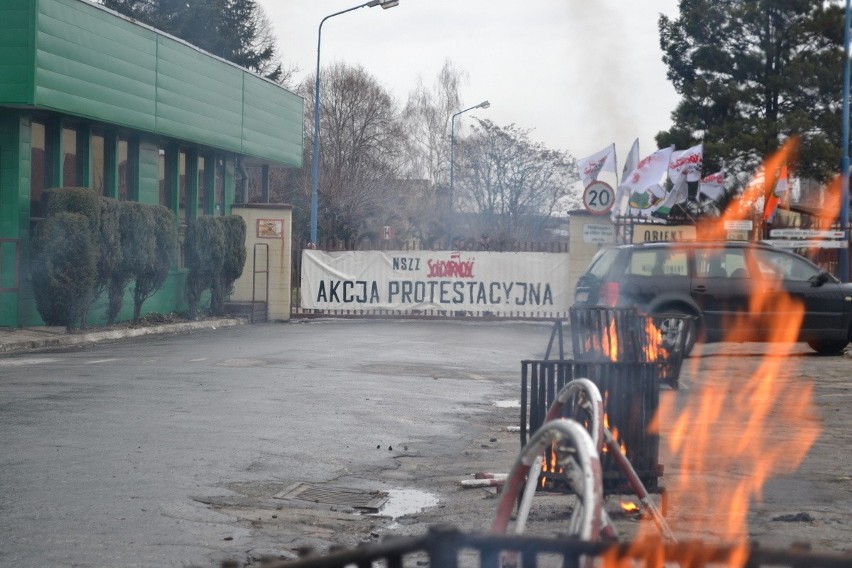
(270, 224)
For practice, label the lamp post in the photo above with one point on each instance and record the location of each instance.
(483, 104)
(843, 261)
(385, 4)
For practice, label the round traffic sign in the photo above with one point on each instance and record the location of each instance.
(598, 198)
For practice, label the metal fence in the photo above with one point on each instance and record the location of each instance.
(446, 547)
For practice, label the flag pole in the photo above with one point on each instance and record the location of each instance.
(615, 163)
(843, 260)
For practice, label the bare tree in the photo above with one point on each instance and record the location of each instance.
(514, 182)
(427, 119)
(362, 144)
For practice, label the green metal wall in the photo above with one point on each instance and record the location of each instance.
(14, 212)
(92, 63)
(17, 35)
(81, 61)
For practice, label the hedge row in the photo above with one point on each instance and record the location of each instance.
(90, 244)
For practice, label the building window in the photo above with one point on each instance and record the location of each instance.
(164, 188)
(37, 169)
(69, 157)
(182, 188)
(220, 186)
(202, 185)
(97, 163)
(123, 166)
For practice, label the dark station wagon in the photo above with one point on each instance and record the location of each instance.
(716, 283)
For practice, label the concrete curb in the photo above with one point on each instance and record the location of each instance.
(10, 344)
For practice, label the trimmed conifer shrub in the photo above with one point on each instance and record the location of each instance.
(109, 244)
(234, 228)
(80, 200)
(63, 268)
(151, 276)
(138, 244)
(204, 255)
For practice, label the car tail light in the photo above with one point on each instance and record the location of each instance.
(608, 294)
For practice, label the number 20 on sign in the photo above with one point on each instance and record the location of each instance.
(598, 198)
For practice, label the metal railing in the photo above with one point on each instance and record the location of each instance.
(447, 547)
(254, 274)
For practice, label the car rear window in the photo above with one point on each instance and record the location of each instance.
(781, 264)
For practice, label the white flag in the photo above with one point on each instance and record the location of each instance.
(592, 165)
(712, 186)
(643, 185)
(632, 160)
(620, 206)
(685, 165)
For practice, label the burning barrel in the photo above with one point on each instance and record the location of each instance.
(624, 334)
(627, 356)
(631, 396)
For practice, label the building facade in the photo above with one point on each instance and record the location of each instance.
(89, 98)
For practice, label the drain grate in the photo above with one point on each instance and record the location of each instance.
(370, 501)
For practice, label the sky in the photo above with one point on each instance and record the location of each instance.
(578, 74)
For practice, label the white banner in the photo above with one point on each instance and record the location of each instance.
(437, 280)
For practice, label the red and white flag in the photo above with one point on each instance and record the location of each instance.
(591, 166)
(712, 186)
(685, 166)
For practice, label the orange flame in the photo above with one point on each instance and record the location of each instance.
(755, 192)
(721, 436)
(654, 350)
(609, 342)
(614, 431)
(549, 465)
(629, 507)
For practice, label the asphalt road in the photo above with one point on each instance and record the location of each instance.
(175, 450)
(125, 454)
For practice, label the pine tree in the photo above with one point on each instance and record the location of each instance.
(752, 73)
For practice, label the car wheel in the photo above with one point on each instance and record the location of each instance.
(828, 346)
(669, 327)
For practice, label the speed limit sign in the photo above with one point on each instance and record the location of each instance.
(598, 198)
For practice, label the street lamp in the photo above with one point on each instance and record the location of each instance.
(483, 104)
(385, 4)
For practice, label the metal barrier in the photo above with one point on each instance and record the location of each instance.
(631, 397)
(625, 335)
(447, 547)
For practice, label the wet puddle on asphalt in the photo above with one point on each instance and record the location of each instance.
(403, 502)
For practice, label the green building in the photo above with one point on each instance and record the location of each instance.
(89, 98)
